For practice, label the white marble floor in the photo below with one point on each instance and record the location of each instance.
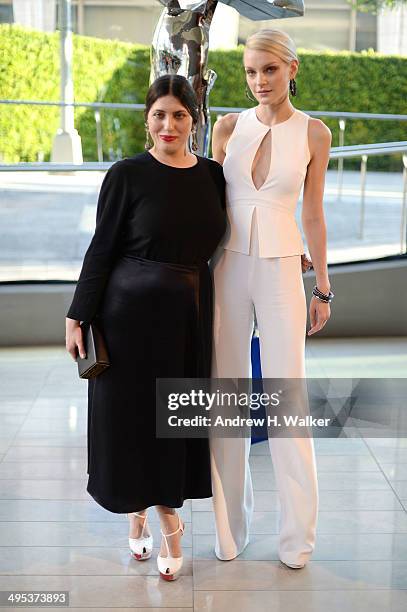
(53, 535)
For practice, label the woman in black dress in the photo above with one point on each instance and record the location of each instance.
(145, 280)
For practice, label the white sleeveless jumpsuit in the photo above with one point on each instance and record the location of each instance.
(258, 269)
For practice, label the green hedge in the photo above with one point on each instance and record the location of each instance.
(113, 71)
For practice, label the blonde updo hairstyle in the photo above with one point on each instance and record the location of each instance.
(274, 41)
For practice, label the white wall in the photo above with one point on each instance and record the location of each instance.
(392, 31)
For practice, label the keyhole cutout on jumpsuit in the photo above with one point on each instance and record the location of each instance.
(261, 163)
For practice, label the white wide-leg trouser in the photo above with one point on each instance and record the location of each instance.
(275, 289)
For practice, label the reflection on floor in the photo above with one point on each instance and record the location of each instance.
(53, 536)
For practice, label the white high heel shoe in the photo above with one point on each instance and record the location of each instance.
(142, 547)
(169, 567)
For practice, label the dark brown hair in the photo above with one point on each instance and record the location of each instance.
(173, 85)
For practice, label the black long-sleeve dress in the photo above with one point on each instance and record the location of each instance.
(145, 280)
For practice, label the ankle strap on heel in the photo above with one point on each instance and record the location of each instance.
(166, 535)
(144, 516)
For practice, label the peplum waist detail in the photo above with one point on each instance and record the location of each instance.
(274, 204)
(278, 233)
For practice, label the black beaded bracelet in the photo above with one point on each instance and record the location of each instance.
(322, 296)
(327, 301)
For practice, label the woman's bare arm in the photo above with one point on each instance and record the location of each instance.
(222, 131)
(313, 218)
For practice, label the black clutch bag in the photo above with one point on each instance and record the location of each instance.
(97, 359)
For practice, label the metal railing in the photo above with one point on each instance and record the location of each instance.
(342, 116)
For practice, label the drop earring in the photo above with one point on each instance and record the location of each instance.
(248, 95)
(194, 144)
(293, 87)
(148, 144)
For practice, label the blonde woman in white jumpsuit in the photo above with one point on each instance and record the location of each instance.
(268, 153)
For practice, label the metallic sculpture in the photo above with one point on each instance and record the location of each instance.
(181, 42)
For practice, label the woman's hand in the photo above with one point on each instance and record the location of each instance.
(306, 263)
(319, 313)
(74, 339)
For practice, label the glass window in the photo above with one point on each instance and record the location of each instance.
(46, 223)
(6, 13)
(366, 32)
